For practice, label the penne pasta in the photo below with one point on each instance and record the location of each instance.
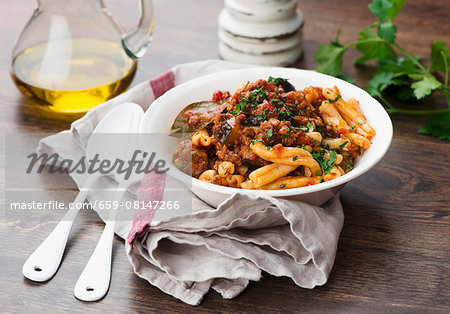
(359, 140)
(339, 159)
(333, 174)
(269, 173)
(242, 170)
(291, 182)
(247, 185)
(307, 171)
(294, 156)
(331, 116)
(348, 112)
(315, 136)
(336, 143)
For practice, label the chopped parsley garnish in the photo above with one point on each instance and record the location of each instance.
(259, 92)
(269, 133)
(333, 100)
(295, 158)
(256, 140)
(240, 106)
(286, 135)
(361, 122)
(349, 164)
(317, 172)
(277, 80)
(336, 99)
(308, 128)
(277, 101)
(326, 161)
(359, 150)
(342, 145)
(282, 186)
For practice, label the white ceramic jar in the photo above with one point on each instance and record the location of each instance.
(266, 32)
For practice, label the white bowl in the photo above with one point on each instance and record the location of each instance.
(161, 114)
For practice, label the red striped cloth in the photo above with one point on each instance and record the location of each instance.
(152, 186)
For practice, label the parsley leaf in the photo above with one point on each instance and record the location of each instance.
(259, 93)
(424, 85)
(269, 133)
(277, 101)
(438, 54)
(335, 99)
(380, 8)
(387, 31)
(330, 57)
(342, 145)
(399, 66)
(349, 164)
(308, 128)
(384, 9)
(372, 47)
(241, 106)
(277, 80)
(379, 82)
(437, 125)
(325, 162)
(397, 5)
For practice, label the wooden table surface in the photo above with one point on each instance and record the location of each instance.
(394, 250)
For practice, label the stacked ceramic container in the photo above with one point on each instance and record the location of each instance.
(267, 32)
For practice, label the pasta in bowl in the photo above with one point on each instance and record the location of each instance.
(266, 137)
(269, 136)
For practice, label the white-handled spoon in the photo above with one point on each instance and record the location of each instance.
(44, 262)
(94, 281)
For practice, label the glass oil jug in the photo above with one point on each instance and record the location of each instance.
(72, 55)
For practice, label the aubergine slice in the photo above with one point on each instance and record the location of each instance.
(287, 86)
(201, 114)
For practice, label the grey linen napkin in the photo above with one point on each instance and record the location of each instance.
(226, 247)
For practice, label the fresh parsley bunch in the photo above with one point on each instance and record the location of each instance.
(396, 67)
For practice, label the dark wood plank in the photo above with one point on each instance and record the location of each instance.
(394, 250)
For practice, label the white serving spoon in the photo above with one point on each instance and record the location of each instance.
(45, 260)
(94, 281)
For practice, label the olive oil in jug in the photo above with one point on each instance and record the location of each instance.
(72, 55)
(75, 74)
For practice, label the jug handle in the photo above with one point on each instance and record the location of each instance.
(136, 41)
